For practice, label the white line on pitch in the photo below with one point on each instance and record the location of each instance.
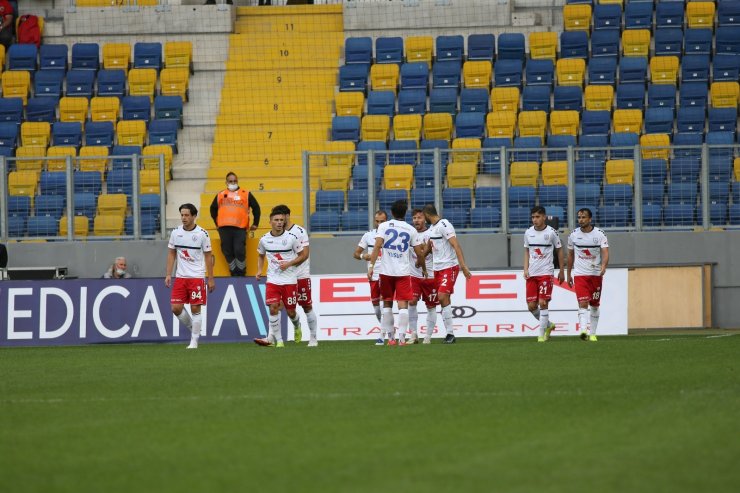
(721, 335)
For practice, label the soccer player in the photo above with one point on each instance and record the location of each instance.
(362, 252)
(588, 251)
(303, 274)
(448, 261)
(283, 251)
(422, 288)
(540, 240)
(191, 246)
(394, 238)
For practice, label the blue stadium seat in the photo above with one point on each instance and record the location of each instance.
(697, 41)
(11, 110)
(428, 157)
(353, 77)
(88, 182)
(652, 214)
(527, 143)
(654, 171)
(17, 226)
(120, 181)
(615, 216)
(481, 47)
(695, 68)
(424, 176)
(540, 72)
(66, 134)
(358, 51)
(398, 157)
(638, 15)
(511, 46)
(623, 139)
(99, 134)
(568, 98)
(720, 158)
(360, 177)
(488, 197)
(633, 69)
(573, 44)
(485, 217)
(450, 48)
(136, 108)
(85, 204)
(669, 41)
(685, 170)
(412, 102)
(520, 217)
(688, 139)
(48, 83)
(85, 56)
(560, 142)
(22, 57)
(148, 55)
(470, 125)
(592, 147)
(324, 221)
(446, 74)
(607, 17)
(381, 103)
(631, 96)
(508, 73)
(605, 43)
(80, 83)
(149, 203)
(164, 132)
(553, 195)
(169, 108)
(725, 67)
(727, 40)
(652, 193)
(678, 215)
(658, 120)
(41, 109)
(121, 156)
(460, 218)
(42, 226)
(387, 197)
(457, 198)
(556, 211)
(330, 200)
(734, 214)
(53, 57)
(357, 200)
(111, 83)
(49, 205)
(602, 70)
(669, 15)
(719, 192)
(521, 196)
(682, 193)
(19, 205)
(728, 13)
(443, 100)
(536, 98)
(595, 122)
(588, 193)
(491, 163)
(618, 194)
(717, 213)
(147, 225)
(421, 196)
(474, 100)
(380, 149)
(53, 183)
(389, 50)
(354, 221)
(8, 134)
(415, 75)
(690, 119)
(662, 96)
(723, 120)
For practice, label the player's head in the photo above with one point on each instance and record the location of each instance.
(539, 215)
(284, 210)
(380, 217)
(399, 208)
(584, 217)
(429, 212)
(418, 219)
(188, 213)
(232, 181)
(277, 222)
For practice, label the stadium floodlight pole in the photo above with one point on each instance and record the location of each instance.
(637, 184)
(371, 187)
(70, 198)
(3, 199)
(504, 191)
(705, 186)
(162, 195)
(438, 179)
(306, 189)
(571, 176)
(136, 224)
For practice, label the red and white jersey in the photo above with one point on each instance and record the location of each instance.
(444, 255)
(279, 249)
(303, 271)
(190, 247)
(587, 251)
(398, 237)
(368, 243)
(541, 245)
(416, 271)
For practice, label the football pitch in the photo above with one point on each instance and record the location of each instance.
(654, 413)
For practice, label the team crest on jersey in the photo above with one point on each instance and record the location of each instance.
(195, 236)
(285, 242)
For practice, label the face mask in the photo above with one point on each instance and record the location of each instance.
(120, 272)
(233, 187)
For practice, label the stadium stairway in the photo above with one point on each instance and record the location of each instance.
(276, 102)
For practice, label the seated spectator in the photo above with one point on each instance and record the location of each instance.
(6, 24)
(117, 270)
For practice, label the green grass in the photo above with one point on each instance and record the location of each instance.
(638, 413)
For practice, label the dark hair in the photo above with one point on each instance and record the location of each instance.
(416, 211)
(190, 207)
(538, 209)
(231, 173)
(430, 210)
(281, 209)
(276, 212)
(399, 208)
(381, 211)
(585, 210)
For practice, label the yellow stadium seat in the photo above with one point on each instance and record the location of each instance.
(524, 173)
(465, 150)
(60, 153)
(349, 103)
(150, 157)
(620, 171)
(501, 124)
(543, 45)
(73, 109)
(532, 124)
(116, 56)
(35, 134)
(700, 15)
(599, 97)
(93, 158)
(628, 121)
(345, 160)
(131, 132)
(81, 226)
(419, 49)
(398, 177)
(736, 170)
(613, 2)
(438, 126)
(104, 109)
(649, 142)
(23, 183)
(174, 82)
(112, 204)
(477, 74)
(564, 122)
(725, 94)
(334, 178)
(2, 57)
(16, 84)
(178, 54)
(384, 77)
(664, 69)
(505, 99)
(577, 17)
(636, 42)
(29, 158)
(462, 174)
(555, 173)
(142, 81)
(375, 127)
(407, 127)
(108, 225)
(570, 71)
(149, 181)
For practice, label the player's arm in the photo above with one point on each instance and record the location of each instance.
(571, 260)
(604, 260)
(420, 262)
(300, 258)
(171, 254)
(526, 263)
(360, 253)
(208, 258)
(214, 210)
(374, 256)
(561, 263)
(460, 257)
(260, 266)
